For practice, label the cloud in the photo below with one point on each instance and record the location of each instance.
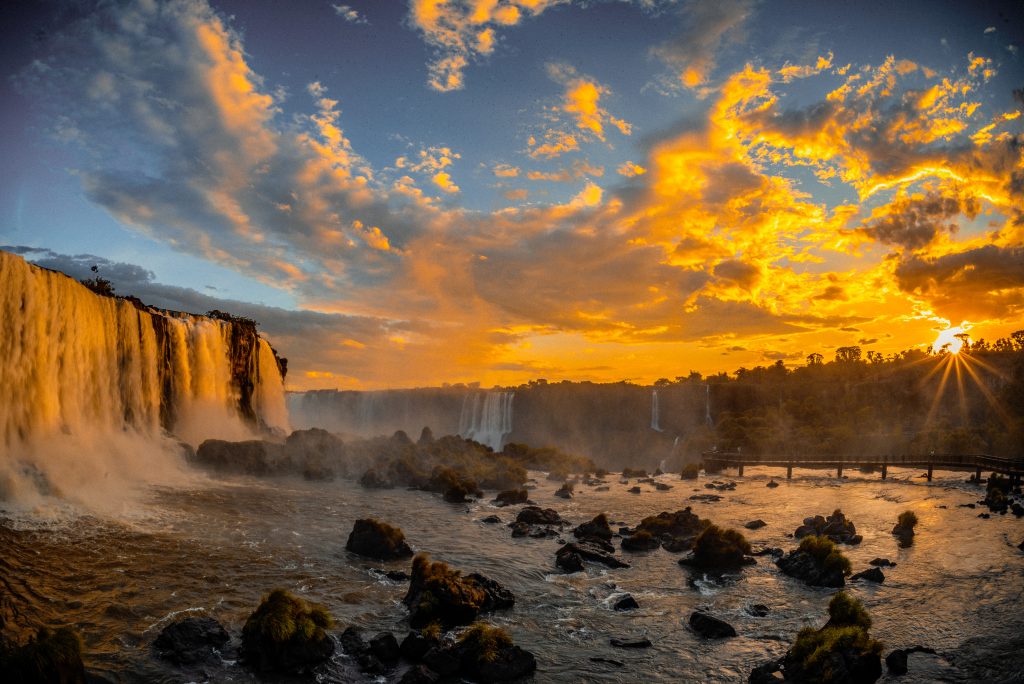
(630, 169)
(578, 118)
(916, 221)
(505, 170)
(984, 282)
(691, 54)
(349, 14)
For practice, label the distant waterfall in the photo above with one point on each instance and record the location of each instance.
(78, 366)
(655, 411)
(707, 406)
(487, 418)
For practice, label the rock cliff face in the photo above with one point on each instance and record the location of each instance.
(75, 361)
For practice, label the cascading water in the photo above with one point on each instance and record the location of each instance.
(487, 418)
(655, 411)
(93, 386)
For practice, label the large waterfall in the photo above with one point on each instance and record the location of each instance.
(487, 418)
(93, 386)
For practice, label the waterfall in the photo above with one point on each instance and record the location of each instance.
(487, 418)
(93, 385)
(655, 418)
(707, 406)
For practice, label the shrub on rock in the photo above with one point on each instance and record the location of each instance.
(904, 529)
(375, 539)
(816, 561)
(286, 633)
(487, 654)
(597, 528)
(690, 471)
(719, 548)
(439, 593)
(841, 651)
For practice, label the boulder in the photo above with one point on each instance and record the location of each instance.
(586, 550)
(896, 661)
(353, 644)
(251, 457)
(634, 490)
(442, 660)
(627, 602)
(772, 484)
(535, 515)
(440, 593)
(491, 520)
(191, 640)
(415, 645)
(755, 524)
(720, 550)
(882, 562)
(512, 497)
(642, 540)
(758, 610)
(375, 539)
(662, 487)
(817, 562)
(710, 627)
(597, 528)
(836, 527)
(285, 633)
(385, 647)
(487, 654)
(565, 491)
(871, 575)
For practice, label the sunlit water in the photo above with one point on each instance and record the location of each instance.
(215, 550)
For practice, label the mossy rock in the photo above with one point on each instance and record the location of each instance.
(841, 651)
(440, 594)
(375, 539)
(718, 548)
(818, 562)
(487, 654)
(50, 657)
(285, 633)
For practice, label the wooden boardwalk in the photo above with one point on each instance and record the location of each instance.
(979, 463)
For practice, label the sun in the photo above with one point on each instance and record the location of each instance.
(952, 339)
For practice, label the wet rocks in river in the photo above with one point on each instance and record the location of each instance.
(420, 674)
(836, 527)
(706, 498)
(627, 602)
(904, 529)
(758, 610)
(755, 524)
(719, 550)
(355, 647)
(896, 661)
(710, 627)
(674, 531)
(662, 487)
(871, 575)
(721, 486)
(565, 491)
(191, 640)
(285, 633)
(635, 490)
(375, 539)
(772, 484)
(597, 528)
(882, 562)
(630, 643)
(511, 497)
(817, 562)
(535, 515)
(841, 651)
(439, 593)
(571, 556)
(487, 654)
(491, 520)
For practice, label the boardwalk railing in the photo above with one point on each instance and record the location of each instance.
(1014, 468)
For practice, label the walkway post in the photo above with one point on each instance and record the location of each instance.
(885, 466)
(929, 472)
(789, 470)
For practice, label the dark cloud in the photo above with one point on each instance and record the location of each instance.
(987, 281)
(832, 293)
(915, 222)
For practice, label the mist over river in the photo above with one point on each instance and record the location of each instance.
(214, 548)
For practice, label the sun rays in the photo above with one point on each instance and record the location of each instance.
(964, 365)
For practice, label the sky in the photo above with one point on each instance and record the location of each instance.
(415, 193)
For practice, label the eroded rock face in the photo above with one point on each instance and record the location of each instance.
(597, 528)
(191, 640)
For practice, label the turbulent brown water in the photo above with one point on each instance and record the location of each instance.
(214, 549)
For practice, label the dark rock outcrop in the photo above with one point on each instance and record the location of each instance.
(191, 640)
(817, 562)
(836, 527)
(50, 657)
(571, 556)
(597, 528)
(719, 550)
(871, 575)
(285, 633)
(755, 524)
(440, 593)
(374, 539)
(535, 515)
(511, 497)
(710, 627)
(487, 654)
(630, 643)
(896, 661)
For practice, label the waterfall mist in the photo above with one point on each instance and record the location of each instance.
(98, 390)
